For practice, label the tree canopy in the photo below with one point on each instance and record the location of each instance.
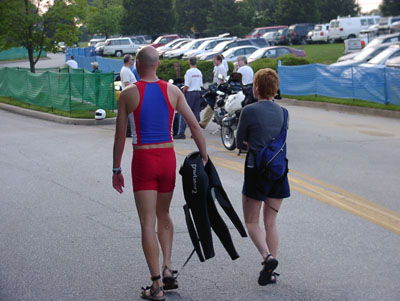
(390, 8)
(38, 25)
(104, 16)
(152, 17)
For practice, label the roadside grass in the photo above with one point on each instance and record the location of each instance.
(322, 53)
(343, 101)
(88, 114)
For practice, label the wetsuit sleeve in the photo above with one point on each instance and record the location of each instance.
(242, 129)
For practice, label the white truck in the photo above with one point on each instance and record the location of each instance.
(350, 27)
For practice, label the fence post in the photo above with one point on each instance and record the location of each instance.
(352, 82)
(70, 92)
(385, 85)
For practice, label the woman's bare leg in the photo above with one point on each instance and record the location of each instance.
(251, 212)
(271, 208)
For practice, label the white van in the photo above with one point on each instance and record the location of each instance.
(350, 27)
(320, 33)
(120, 46)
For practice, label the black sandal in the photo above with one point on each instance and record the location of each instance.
(267, 271)
(170, 282)
(150, 293)
(273, 280)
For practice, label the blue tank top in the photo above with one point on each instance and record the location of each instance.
(152, 119)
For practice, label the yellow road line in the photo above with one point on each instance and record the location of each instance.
(328, 194)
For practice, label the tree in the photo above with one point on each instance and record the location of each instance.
(390, 7)
(224, 16)
(37, 25)
(332, 9)
(191, 15)
(104, 17)
(153, 17)
(292, 11)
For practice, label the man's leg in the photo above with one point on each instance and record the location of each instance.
(146, 204)
(271, 208)
(165, 227)
(208, 113)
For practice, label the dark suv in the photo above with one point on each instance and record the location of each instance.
(281, 37)
(297, 33)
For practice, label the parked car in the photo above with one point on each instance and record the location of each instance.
(320, 33)
(206, 46)
(297, 33)
(61, 47)
(281, 37)
(391, 38)
(259, 31)
(120, 46)
(274, 52)
(179, 53)
(232, 54)
(221, 47)
(394, 62)
(385, 24)
(270, 37)
(363, 56)
(94, 41)
(172, 45)
(349, 28)
(389, 53)
(164, 39)
(99, 48)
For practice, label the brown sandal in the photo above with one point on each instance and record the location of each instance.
(150, 293)
(170, 282)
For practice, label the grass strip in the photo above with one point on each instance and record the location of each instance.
(344, 101)
(73, 114)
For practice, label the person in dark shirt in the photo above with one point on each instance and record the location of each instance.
(259, 123)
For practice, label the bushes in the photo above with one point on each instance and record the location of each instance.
(287, 60)
(177, 68)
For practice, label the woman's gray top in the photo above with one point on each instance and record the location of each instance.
(259, 123)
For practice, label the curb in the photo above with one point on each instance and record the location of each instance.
(341, 108)
(56, 118)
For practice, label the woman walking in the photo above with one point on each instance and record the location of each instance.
(259, 124)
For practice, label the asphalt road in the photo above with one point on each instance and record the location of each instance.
(67, 235)
(53, 60)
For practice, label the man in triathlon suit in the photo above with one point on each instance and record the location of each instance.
(153, 102)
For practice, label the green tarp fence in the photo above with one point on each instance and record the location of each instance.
(18, 53)
(67, 89)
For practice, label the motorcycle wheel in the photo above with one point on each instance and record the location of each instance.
(228, 138)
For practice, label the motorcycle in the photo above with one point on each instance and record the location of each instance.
(230, 121)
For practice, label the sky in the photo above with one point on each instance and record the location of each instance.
(368, 5)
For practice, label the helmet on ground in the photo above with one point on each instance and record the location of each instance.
(100, 114)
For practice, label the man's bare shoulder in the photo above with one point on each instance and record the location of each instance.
(130, 97)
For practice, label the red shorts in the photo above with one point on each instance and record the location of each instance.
(154, 169)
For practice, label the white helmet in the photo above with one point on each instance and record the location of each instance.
(100, 114)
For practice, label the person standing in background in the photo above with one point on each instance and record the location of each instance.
(72, 63)
(219, 71)
(127, 78)
(191, 90)
(245, 70)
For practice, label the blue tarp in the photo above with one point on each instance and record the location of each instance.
(377, 84)
(105, 64)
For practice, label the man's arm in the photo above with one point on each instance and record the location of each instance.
(119, 141)
(183, 108)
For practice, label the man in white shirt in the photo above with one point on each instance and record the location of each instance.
(127, 76)
(245, 70)
(219, 69)
(72, 63)
(192, 88)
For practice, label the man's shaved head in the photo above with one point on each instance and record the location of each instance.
(148, 56)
